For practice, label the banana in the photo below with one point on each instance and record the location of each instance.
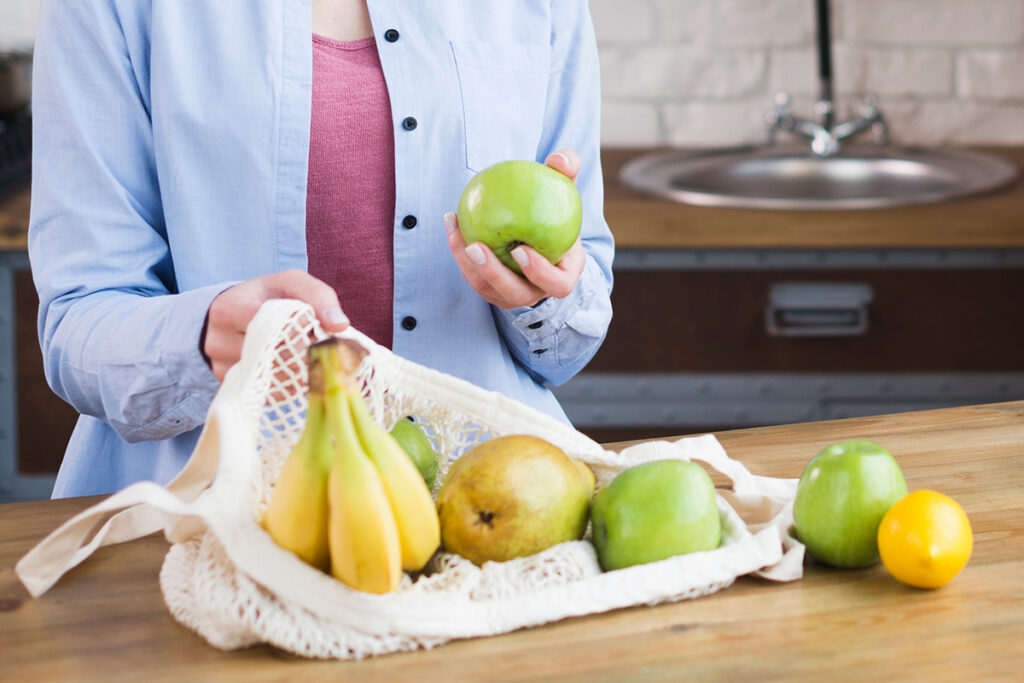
(363, 535)
(296, 517)
(419, 530)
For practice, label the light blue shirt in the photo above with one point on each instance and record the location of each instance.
(170, 160)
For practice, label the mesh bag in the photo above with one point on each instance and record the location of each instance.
(224, 577)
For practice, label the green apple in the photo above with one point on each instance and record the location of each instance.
(416, 444)
(654, 511)
(841, 497)
(521, 202)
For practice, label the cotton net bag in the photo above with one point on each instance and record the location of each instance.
(226, 579)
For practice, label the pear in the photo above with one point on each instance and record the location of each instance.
(589, 480)
(512, 496)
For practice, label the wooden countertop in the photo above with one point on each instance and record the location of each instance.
(640, 221)
(106, 618)
(14, 221)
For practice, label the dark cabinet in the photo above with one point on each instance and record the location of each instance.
(45, 422)
(700, 347)
(715, 321)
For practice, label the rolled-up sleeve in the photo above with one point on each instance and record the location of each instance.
(118, 341)
(556, 339)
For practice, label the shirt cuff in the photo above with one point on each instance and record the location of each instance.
(538, 326)
(181, 352)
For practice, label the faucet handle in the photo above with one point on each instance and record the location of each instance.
(869, 106)
(880, 131)
(774, 117)
(873, 119)
(782, 100)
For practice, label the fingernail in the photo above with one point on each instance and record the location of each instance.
(565, 158)
(449, 222)
(521, 257)
(476, 254)
(336, 317)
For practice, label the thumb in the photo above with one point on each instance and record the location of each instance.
(296, 284)
(565, 161)
(332, 318)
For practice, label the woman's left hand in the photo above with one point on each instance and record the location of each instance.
(505, 288)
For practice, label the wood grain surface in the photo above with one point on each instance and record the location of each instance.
(106, 619)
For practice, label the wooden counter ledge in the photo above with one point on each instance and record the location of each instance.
(14, 220)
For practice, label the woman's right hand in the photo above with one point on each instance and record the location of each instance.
(233, 309)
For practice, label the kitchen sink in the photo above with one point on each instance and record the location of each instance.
(791, 177)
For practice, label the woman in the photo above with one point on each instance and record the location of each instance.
(192, 160)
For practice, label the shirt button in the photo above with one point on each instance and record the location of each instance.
(534, 326)
(391, 35)
(409, 323)
(409, 222)
(539, 351)
(409, 123)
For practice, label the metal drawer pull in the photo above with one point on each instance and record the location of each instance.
(818, 309)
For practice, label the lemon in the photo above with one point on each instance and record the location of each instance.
(925, 539)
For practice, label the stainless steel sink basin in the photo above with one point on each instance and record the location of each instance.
(858, 177)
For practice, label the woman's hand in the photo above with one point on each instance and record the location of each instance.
(233, 309)
(503, 287)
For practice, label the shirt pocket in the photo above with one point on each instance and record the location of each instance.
(504, 90)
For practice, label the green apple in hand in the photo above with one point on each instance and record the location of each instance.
(841, 497)
(654, 511)
(521, 202)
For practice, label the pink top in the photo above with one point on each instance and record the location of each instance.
(350, 197)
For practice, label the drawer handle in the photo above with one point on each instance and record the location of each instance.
(818, 309)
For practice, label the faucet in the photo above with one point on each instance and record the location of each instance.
(825, 134)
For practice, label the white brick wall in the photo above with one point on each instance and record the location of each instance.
(702, 72)
(18, 24)
(936, 22)
(996, 74)
(760, 23)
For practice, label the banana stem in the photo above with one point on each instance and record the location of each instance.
(333, 364)
(316, 423)
(332, 369)
(342, 426)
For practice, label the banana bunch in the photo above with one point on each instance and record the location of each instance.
(349, 500)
